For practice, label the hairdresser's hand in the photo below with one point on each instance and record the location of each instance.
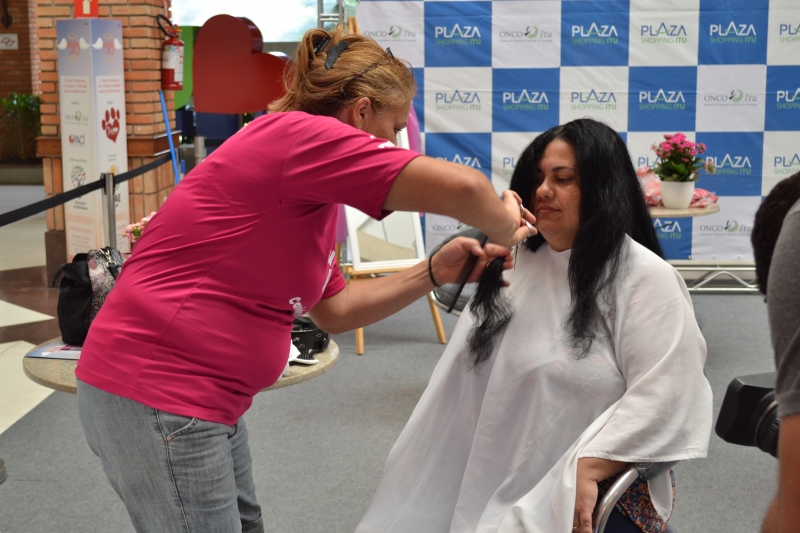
(520, 229)
(447, 263)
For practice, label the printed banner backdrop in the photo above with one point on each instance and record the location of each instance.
(492, 75)
(93, 135)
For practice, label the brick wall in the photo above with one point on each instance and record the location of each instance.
(141, 50)
(20, 74)
(145, 123)
(18, 68)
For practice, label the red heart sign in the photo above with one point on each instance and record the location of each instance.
(111, 124)
(231, 73)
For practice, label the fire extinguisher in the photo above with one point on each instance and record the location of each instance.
(171, 56)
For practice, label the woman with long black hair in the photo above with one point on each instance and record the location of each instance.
(591, 360)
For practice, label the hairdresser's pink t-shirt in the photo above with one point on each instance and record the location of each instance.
(201, 315)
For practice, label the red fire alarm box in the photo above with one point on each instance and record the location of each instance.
(86, 9)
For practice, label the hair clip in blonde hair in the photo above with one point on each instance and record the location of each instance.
(320, 46)
(334, 52)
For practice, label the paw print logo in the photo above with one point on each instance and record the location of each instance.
(111, 124)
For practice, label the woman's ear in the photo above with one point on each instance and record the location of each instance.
(361, 112)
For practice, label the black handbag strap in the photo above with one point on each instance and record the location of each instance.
(112, 260)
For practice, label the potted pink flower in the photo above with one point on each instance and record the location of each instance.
(133, 231)
(678, 166)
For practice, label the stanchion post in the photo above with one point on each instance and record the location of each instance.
(199, 149)
(111, 210)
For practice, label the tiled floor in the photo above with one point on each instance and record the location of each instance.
(18, 394)
(22, 243)
(27, 305)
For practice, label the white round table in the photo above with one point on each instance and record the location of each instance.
(59, 374)
(662, 212)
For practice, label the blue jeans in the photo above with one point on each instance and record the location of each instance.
(175, 474)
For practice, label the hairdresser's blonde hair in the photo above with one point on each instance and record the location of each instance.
(312, 88)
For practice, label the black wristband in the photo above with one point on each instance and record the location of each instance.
(430, 271)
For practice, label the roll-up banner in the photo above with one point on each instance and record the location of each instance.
(93, 135)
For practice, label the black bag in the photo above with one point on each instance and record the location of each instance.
(86, 282)
(308, 339)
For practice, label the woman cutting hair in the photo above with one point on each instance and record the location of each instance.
(201, 315)
(591, 360)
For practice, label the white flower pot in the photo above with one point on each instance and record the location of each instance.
(677, 194)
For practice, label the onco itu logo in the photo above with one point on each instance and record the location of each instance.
(77, 118)
(661, 100)
(786, 164)
(394, 32)
(788, 33)
(730, 227)
(525, 101)
(450, 228)
(457, 34)
(663, 33)
(788, 99)
(457, 101)
(731, 164)
(732, 33)
(531, 34)
(667, 229)
(595, 34)
(735, 97)
(597, 100)
(466, 160)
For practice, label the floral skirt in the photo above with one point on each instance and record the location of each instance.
(635, 503)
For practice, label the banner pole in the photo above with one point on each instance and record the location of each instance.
(111, 211)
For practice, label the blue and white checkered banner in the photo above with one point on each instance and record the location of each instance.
(492, 75)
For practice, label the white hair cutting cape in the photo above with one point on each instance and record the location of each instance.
(496, 449)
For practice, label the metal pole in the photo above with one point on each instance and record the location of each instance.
(329, 18)
(169, 137)
(111, 210)
(199, 149)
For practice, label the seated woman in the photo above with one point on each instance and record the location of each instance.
(592, 360)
